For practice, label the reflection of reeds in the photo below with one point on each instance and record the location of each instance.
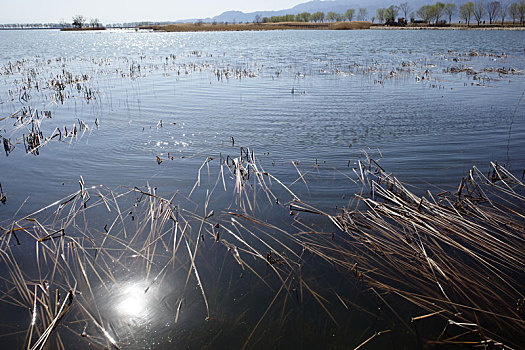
(455, 257)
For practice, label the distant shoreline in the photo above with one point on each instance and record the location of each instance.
(221, 27)
(451, 27)
(209, 27)
(81, 29)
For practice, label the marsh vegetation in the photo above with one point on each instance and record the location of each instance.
(219, 190)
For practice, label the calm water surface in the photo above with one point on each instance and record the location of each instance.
(429, 104)
(345, 100)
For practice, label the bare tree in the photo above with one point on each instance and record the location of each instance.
(514, 11)
(405, 8)
(257, 19)
(349, 14)
(425, 13)
(502, 13)
(318, 16)
(437, 11)
(521, 11)
(391, 14)
(95, 23)
(450, 10)
(466, 10)
(331, 16)
(63, 23)
(479, 11)
(492, 10)
(361, 14)
(380, 14)
(79, 21)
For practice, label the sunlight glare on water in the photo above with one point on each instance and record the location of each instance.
(133, 301)
(166, 123)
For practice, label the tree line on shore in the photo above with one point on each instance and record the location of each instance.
(317, 17)
(494, 11)
(497, 12)
(78, 21)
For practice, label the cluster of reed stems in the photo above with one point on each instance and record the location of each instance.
(457, 257)
(25, 127)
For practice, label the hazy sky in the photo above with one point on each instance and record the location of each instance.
(109, 11)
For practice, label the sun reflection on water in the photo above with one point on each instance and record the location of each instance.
(133, 301)
(135, 310)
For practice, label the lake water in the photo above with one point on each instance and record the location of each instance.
(151, 108)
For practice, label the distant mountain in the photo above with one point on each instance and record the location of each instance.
(338, 6)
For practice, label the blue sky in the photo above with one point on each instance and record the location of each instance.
(110, 11)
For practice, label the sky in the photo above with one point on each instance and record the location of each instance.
(115, 11)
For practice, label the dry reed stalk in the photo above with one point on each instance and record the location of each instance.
(432, 251)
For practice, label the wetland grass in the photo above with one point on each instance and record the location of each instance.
(454, 257)
(25, 127)
(70, 271)
(210, 27)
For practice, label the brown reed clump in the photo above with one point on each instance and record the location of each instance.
(455, 257)
(25, 127)
(350, 25)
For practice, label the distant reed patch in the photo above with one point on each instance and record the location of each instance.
(210, 27)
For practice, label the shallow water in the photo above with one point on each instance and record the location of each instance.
(316, 98)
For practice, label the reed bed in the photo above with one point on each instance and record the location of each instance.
(243, 256)
(449, 260)
(93, 244)
(457, 255)
(58, 81)
(455, 258)
(80, 263)
(210, 27)
(25, 128)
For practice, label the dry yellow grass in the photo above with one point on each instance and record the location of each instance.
(208, 27)
(350, 25)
